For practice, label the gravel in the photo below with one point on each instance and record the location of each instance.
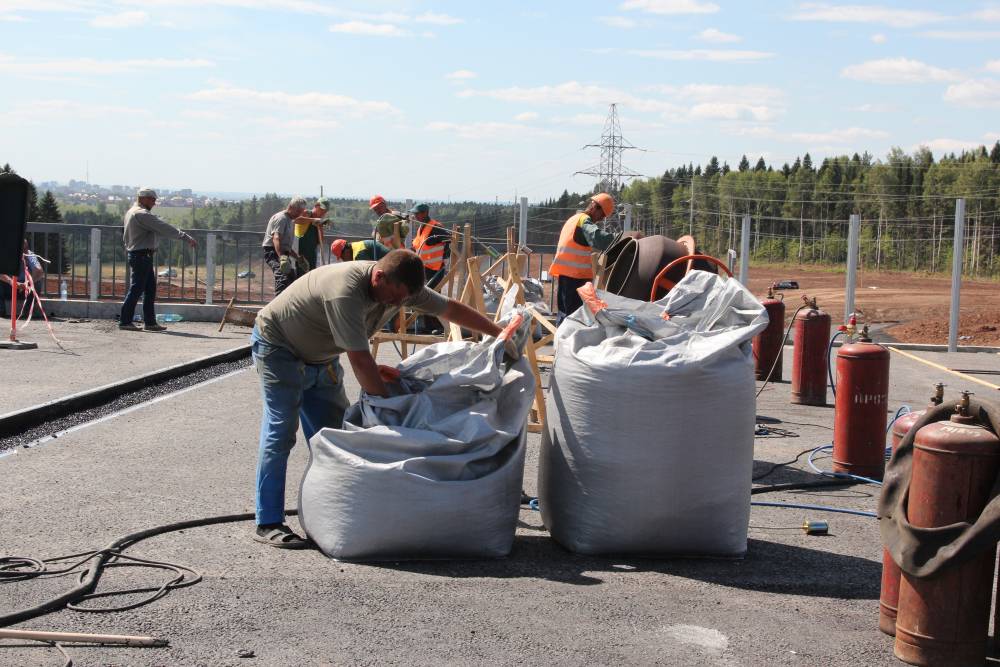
(126, 400)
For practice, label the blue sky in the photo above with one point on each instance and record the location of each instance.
(458, 100)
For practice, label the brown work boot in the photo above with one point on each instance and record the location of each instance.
(128, 327)
(154, 327)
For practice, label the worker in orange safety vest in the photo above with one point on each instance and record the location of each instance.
(580, 236)
(432, 242)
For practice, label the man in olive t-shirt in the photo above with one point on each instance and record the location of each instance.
(297, 342)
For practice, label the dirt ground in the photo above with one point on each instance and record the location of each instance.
(916, 306)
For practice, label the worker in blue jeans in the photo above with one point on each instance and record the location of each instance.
(297, 342)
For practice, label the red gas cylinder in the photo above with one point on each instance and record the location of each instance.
(768, 344)
(812, 336)
(943, 620)
(861, 404)
(888, 600)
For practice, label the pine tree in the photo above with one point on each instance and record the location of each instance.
(58, 253)
(807, 162)
(744, 164)
(6, 169)
(48, 210)
(761, 165)
(713, 167)
(995, 153)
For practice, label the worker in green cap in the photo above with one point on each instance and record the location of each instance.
(309, 233)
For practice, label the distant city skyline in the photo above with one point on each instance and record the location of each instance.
(455, 101)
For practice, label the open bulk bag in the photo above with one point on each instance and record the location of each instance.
(433, 471)
(649, 444)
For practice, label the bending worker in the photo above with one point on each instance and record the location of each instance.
(142, 228)
(297, 342)
(386, 221)
(432, 243)
(580, 237)
(366, 250)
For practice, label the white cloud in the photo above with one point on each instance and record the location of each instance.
(898, 70)
(75, 66)
(618, 22)
(121, 20)
(945, 145)
(671, 6)
(732, 111)
(891, 16)
(486, 130)
(526, 116)
(879, 38)
(572, 94)
(437, 19)
(202, 114)
(717, 36)
(962, 35)
(975, 93)
(36, 112)
(12, 18)
(987, 14)
(707, 92)
(711, 55)
(303, 102)
(847, 136)
(461, 75)
(370, 29)
(993, 66)
(875, 108)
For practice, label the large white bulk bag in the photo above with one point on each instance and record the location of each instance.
(432, 472)
(649, 444)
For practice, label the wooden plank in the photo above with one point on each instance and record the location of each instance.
(415, 339)
(545, 358)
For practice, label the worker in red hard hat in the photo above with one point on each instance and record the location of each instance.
(386, 220)
(580, 236)
(367, 249)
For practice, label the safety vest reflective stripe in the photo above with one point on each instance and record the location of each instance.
(432, 254)
(572, 259)
(358, 247)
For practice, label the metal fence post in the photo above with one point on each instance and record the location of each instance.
(745, 250)
(627, 226)
(853, 239)
(408, 241)
(210, 267)
(95, 264)
(522, 226)
(957, 250)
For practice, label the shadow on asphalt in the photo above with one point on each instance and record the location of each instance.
(770, 567)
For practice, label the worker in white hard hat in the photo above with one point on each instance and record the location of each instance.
(580, 236)
(142, 231)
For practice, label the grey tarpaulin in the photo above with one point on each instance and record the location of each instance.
(649, 444)
(923, 552)
(434, 471)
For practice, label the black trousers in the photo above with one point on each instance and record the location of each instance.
(567, 298)
(142, 283)
(281, 280)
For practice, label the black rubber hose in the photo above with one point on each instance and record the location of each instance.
(791, 486)
(90, 578)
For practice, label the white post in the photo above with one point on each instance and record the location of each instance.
(408, 241)
(853, 240)
(95, 264)
(745, 250)
(209, 267)
(522, 225)
(627, 227)
(957, 250)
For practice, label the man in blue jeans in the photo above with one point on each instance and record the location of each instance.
(297, 342)
(140, 236)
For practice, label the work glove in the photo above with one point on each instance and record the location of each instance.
(285, 266)
(512, 341)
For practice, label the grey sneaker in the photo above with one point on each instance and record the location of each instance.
(154, 327)
(128, 327)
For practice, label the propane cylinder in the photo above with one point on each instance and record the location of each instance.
(943, 620)
(888, 599)
(768, 344)
(812, 335)
(861, 404)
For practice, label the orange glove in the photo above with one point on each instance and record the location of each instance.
(388, 373)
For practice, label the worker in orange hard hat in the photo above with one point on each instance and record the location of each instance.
(367, 249)
(580, 236)
(386, 221)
